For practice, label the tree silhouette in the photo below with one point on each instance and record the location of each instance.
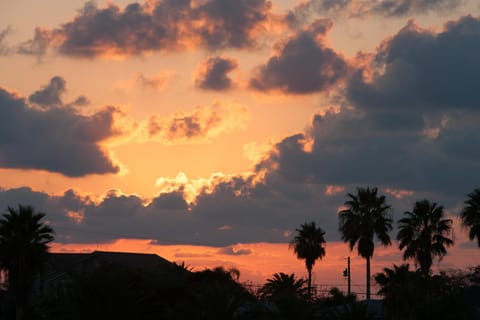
(410, 295)
(309, 244)
(424, 234)
(400, 288)
(470, 215)
(283, 286)
(366, 216)
(217, 293)
(24, 242)
(288, 295)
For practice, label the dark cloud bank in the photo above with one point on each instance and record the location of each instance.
(262, 213)
(425, 70)
(305, 64)
(154, 26)
(304, 11)
(413, 124)
(47, 134)
(169, 25)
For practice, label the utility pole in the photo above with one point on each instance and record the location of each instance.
(346, 273)
(348, 267)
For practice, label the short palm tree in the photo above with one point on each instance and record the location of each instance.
(283, 286)
(24, 240)
(218, 293)
(366, 215)
(424, 234)
(402, 291)
(392, 280)
(470, 215)
(309, 244)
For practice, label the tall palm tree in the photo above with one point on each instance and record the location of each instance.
(24, 240)
(309, 244)
(283, 286)
(366, 215)
(470, 215)
(424, 234)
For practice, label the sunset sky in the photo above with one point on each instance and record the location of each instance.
(207, 131)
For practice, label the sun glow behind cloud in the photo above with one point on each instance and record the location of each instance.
(192, 188)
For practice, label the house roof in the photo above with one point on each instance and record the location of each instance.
(61, 263)
(143, 261)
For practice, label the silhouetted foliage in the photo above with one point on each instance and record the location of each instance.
(424, 234)
(284, 286)
(338, 305)
(217, 294)
(356, 310)
(399, 287)
(309, 244)
(336, 297)
(115, 292)
(366, 215)
(409, 295)
(288, 296)
(470, 215)
(24, 240)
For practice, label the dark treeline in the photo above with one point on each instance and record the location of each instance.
(110, 290)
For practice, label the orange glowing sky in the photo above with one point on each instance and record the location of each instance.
(207, 131)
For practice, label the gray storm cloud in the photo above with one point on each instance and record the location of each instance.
(304, 11)
(412, 124)
(51, 94)
(166, 25)
(424, 70)
(57, 137)
(304, 64)
(213, 74)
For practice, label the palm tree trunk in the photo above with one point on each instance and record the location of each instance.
(368, 278)
(20, 290)
(21, 305)
(19, 311)
(309, 284)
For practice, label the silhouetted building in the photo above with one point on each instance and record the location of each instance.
(61, 267)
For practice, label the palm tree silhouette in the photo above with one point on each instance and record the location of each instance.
(24, 240)
(402, 291)
(218, 293)
(283, 286)
(366, 215)
(470, 215)
(309, 244)
(424, 234)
